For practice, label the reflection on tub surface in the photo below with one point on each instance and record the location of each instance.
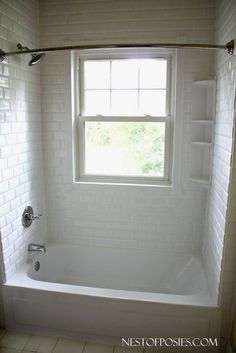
(118, 273)
(120, 269)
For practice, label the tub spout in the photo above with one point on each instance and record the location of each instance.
(36, 247)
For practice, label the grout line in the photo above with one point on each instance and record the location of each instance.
(27, 342)
(55, 345)
(84, 347)
(3, 335)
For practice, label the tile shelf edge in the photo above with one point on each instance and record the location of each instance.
(204, 83)
(202, 181)
(202, 121)
(201, 143)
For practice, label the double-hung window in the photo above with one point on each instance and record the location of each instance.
(124, 117)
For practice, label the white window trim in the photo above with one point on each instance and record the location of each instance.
(78, 135)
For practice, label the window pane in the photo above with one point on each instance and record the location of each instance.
(136, 87)
(152, 102)
(97, 74)
(96, 102)
(124, 74)
(124, 148)
(153, 73)
(124, 102)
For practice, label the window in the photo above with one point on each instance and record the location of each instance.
(124, 117)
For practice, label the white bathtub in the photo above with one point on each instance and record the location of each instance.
(108, 294)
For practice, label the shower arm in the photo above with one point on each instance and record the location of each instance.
(228, 47)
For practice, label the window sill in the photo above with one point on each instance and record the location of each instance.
(165, 185)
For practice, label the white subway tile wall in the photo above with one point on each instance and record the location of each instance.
(219, 250)
(21, 168)
(120, 216)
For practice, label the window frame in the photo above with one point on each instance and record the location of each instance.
(80, 119)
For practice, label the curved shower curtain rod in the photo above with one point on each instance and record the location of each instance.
(228, 47)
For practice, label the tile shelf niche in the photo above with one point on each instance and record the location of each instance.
(203, 108)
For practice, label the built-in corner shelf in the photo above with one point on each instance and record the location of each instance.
(203, 104)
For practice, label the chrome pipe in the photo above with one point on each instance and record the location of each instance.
(36, 247)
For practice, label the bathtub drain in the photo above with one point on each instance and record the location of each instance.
(37, 265)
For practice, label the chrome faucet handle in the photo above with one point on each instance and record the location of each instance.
(28, 216)
(36, 217)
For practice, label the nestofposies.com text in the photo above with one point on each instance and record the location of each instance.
(169, 342)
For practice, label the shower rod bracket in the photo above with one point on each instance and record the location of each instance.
(228, 47)
(2, 56)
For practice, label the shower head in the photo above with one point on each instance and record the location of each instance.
(36, 58)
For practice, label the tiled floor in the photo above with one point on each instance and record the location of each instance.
(11, 342)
